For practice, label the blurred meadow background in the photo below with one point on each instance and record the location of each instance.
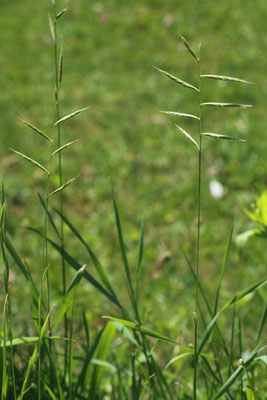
(126, 143)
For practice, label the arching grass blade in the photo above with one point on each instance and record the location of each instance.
(235, 299)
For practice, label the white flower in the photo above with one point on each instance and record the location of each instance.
(216, 189)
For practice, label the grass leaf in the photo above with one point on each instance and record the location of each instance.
(177, 80)
(235, 299)
(98, 266)
(214, 104)
(189, 48)
(36, 129)
(224, 137)
(189, 137)
(225, 78)
(63, 147)
(71, 115)
(238, 371)
(30, 160)
(144, 330)
(179, 114)
(68, 298)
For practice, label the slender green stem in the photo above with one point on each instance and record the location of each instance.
(60, 173)
(198, 241)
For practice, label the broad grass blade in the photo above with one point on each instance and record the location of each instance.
(189, 48)
(63, 186)
(61, 13)
(89, 355)
(182, 115)
(189, 137)
(51, 394)
(262, 323)
(224, 137)
(239, 371)
(30, 160)
(63, 147)
(22, 267)
(144, 330)
(213, 104)
(223, 342)
(74, 264)
(235, 299)
(123, 252)
(98, 266)
(139, 262)
(101, 353)
(225, 78)
(177, 80)
(71, 115)
(36, 129)
(69, 296)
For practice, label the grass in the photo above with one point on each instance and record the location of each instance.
(136, 148)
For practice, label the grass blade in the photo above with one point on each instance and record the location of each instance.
(71, 115)
(98, 266)
(179, 114)
(74, 264)
(235, 299)
(224, 137)
(63, 186)
(123, 252)
(189, 48)
(213, 104)
(63, 147)
(177, 80)
(30, 160)
(101, 353)
(49, 216)
(262, 323)
(60, 68)
(36, 130)
(224, 264)
(225, 78)
(144, 330)
(189, 137)
(68, 298)
(238, 371)
(22, 267)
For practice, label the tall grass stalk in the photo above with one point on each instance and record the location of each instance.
(58, 61)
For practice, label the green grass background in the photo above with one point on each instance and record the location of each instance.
(109, 49)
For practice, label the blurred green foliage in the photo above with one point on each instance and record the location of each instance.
(109, 49)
